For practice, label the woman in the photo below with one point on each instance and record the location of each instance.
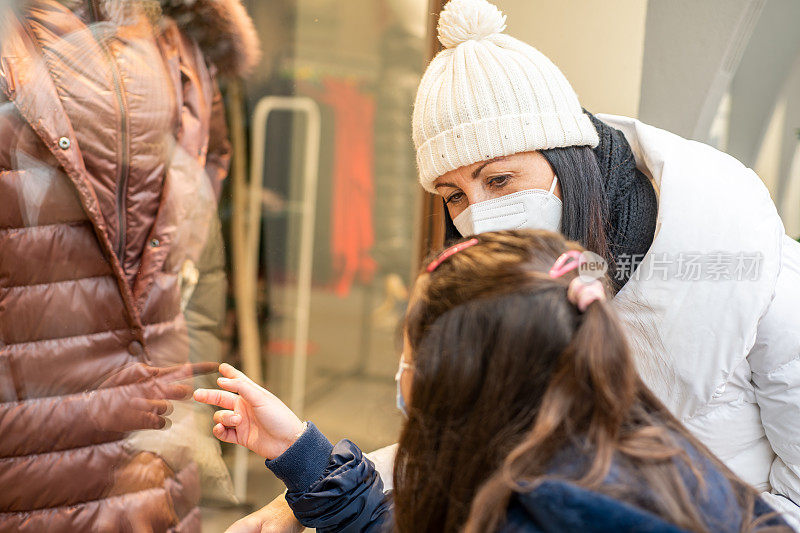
(693, 242)
(525, 413)
(113, 147)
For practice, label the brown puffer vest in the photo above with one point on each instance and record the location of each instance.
(112, 147)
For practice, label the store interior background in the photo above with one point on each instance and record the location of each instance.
(725, 72)
(330, 291)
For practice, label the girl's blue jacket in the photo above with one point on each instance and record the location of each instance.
(336, 488)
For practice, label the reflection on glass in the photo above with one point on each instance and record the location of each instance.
(327, 259)
(113, 149)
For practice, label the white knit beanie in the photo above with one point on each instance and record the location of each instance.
(488, 95)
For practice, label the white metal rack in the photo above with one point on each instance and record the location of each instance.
(248, 280)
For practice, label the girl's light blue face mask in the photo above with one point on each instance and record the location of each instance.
(401, 402)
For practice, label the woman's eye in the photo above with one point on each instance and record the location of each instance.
(454, 198)
(499, 181)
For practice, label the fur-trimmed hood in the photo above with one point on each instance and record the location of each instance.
(223, 30)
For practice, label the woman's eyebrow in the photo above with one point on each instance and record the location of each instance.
(485, 163)
(475, 172)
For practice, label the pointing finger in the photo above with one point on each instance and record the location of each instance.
(230, 372)
(220, 398)
(231, 385)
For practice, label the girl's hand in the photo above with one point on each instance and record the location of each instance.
(251, 415)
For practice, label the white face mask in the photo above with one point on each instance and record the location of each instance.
(531, 209)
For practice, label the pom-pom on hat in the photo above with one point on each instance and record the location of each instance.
(488, 95)
(461, 21)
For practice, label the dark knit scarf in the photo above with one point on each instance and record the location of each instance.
(632, 202)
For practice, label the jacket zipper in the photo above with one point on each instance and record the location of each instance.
(124, 167)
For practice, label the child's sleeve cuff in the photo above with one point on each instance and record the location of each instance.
(304, 462)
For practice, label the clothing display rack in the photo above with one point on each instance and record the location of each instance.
(247, 231)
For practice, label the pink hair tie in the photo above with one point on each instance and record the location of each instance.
(583, 294)
(564, 265)
(450, 252)
(580, 293)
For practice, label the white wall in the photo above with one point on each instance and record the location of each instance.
(598, 45)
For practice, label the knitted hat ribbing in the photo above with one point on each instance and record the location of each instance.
(488, 95)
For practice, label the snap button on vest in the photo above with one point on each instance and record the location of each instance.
(135, 348)
(64, 143)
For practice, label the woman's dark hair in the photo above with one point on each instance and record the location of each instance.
(507, 373)
(585, 215)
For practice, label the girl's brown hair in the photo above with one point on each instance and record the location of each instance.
(507, 373)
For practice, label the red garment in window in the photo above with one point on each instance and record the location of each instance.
(352, 232)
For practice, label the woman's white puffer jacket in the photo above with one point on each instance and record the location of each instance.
(714, 309)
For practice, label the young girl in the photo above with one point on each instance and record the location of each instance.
(525, 412)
